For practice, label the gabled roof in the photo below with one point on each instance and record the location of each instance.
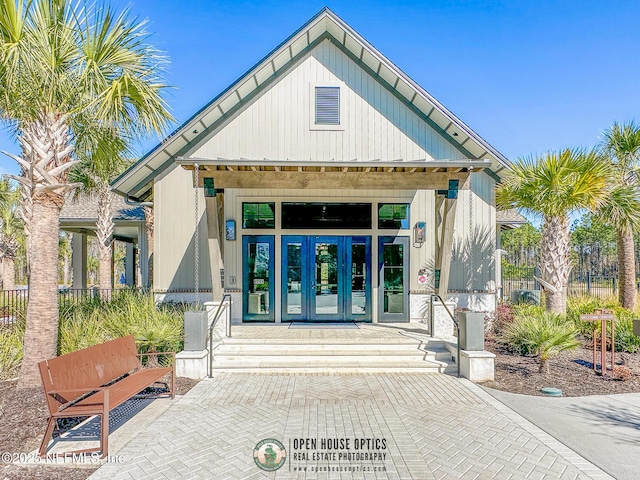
(136, 181)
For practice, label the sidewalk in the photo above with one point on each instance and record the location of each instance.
(602, 428)
(434, 427)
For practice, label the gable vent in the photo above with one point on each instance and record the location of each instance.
(327, 105)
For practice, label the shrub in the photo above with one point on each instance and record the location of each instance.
(156, 328)
(81, 329)
(11, 338)
(91, 320)
(502, 317)
(540, 334)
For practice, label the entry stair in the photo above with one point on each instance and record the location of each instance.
(332, 356)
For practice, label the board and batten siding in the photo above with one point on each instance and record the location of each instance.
(174, 206)
(175, 229)
(480, 246)
(278, 123)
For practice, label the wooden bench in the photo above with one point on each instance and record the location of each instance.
(94, 381)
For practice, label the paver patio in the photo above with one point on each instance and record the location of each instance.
(435, 426)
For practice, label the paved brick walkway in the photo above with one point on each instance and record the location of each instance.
(435, 427)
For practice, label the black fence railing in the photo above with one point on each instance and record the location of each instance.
(14, 302)
(580, 283)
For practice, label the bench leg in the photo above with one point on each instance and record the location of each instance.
(104, 427)
(173, 382)
(47, 436)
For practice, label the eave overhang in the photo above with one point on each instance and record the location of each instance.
(136, 182)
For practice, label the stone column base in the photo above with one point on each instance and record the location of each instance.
(442, 323)
(192, 364)
(477, 366)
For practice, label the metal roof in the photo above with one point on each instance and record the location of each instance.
(136, 181)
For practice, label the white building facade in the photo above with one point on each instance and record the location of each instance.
(330, 187)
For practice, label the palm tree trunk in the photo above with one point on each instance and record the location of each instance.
(8, 274)
(104, 235)
(626, 269)
(543, 366)
(555, 265)
(149, 223)
(41, 333)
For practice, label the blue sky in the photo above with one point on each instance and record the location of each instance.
(528, 76)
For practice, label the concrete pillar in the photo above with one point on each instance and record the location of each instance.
(143, 257)
(130, 265)
(79, 260)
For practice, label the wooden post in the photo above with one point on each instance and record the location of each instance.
(444, 242)
(602, 315)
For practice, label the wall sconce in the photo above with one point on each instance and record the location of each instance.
(452, 193)
(230, 230)
(419, 232)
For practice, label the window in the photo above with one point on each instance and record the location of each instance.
(326, 215)
(258, 215)
(393, 215)
(327, 106)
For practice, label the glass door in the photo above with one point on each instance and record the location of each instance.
(393, 288)
(327, 283)
(258, 286)
(358, 279)
(326, 278)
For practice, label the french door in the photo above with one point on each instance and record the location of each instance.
(326, 278)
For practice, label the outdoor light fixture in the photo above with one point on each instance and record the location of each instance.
(209, 189)
(452, 193)
(419, 232)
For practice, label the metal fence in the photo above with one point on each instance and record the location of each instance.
(13, 303)
(580, 282)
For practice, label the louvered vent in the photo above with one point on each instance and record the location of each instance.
(327, 105)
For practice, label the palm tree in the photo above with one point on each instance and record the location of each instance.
(100, 162)
(67, 66)
(622, 143)
(553, 186)
(10, 233)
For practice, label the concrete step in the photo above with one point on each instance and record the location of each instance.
(318, 356)
(338, 364)
(316, 350)
(401, 340)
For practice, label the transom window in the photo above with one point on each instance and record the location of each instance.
(310, 215)
(393, 215)
(258, 215)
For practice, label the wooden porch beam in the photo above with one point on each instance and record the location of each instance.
(327, 180)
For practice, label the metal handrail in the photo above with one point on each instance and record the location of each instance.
(455, 322)
(213, 325)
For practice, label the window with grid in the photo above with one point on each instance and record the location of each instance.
(258, 215)
(393, 215)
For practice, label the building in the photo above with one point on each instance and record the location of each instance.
(330, 187)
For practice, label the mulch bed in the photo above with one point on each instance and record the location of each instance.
(23, 419)
(571, 371)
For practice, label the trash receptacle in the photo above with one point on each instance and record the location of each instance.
(195, 330)
(636, 327)
(471, 331)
